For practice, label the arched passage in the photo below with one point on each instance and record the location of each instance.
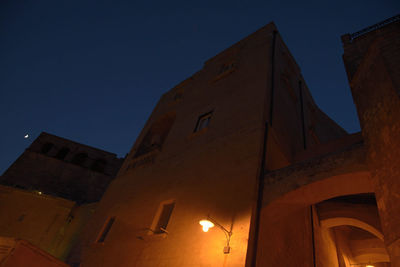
(290, 233)
(340, 221)
(342, 211)
(286, 231)
(355, 224)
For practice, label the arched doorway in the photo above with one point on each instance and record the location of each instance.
(331, 221)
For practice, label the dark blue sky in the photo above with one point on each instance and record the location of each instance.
(92, 71)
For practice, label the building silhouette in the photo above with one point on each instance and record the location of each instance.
(63, 168)
(47, 196)
(242, 146)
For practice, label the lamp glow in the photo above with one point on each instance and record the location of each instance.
(369, 265)
(206, 225)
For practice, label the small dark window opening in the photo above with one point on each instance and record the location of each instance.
(105, 230)
(226, 67)
(156, 135)
(164, 218)
(203, 121)
(46, 148)
(99, 165)
(21, 217)
(79, 159)
(62, 153)
(178, 96)
(20, 186)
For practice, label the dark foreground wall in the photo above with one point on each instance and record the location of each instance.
(372, 59)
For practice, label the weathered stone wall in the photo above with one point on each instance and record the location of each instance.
(373, 65)
(286, 235)
(78, 179)
(47, 222)
(17, 252)
(212, 171)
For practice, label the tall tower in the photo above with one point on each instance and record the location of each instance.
(201, 155)
(372, 60)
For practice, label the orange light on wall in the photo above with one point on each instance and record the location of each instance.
(209, 223)
(206, 225)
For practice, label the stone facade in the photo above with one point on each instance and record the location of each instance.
(200, 154)
(50, 223)
(242, 144)
(372, 62)
(63, 168)
(338, 204)
(50, 191)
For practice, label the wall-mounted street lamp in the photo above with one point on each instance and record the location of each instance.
(206, 225)
(209, 223)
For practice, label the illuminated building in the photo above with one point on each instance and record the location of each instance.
(200, 155)
(241, 146)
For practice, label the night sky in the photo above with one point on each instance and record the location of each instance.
(92, 71)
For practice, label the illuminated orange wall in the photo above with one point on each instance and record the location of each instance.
(42, 220)
(22, 253)
(210, 172)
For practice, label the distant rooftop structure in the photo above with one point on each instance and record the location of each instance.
(374, 27)
(60, 167)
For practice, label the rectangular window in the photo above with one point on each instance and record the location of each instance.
(163, 219)
(203, 121)
(105, 230)
(226, 67)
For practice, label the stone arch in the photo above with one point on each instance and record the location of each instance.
(80, 159)
(46, 148)
(339, 221)
(62, 153)
(99, 165)
(352, 183)
(285, 234)
(340, 212)
(319, 178)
